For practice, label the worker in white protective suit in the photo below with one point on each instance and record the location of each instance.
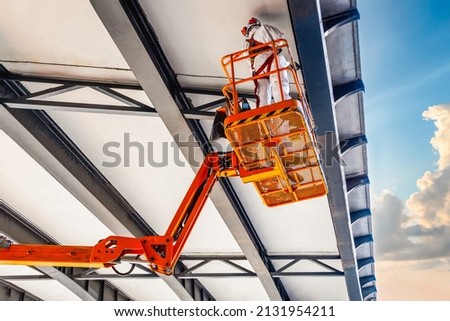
(266, 87)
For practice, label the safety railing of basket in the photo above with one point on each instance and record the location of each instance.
(229, 62)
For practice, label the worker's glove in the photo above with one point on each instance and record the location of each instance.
(295, 65)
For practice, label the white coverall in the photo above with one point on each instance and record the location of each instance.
(266, 88)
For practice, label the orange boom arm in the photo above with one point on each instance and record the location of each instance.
(161, 252)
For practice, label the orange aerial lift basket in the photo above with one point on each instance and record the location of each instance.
(275, 144)
(274, 147)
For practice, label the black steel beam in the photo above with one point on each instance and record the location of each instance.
(335, 21)
(304, 256)
(343, 90)
(136, 14)
(5, 75)
(310, 41)
(139, 45)
(360, 240)
(130, 107)
(357, 181)
(365, 261)
(216, 103)
(368, 291)
(353, 142)
(51, 105)
(210, 92)
(356, 215)
(367, 279)
(189, 276)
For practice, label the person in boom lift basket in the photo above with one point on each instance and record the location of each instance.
(256, 34)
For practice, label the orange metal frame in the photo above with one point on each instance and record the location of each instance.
(282, 164)
(231, 62)
(249, 132)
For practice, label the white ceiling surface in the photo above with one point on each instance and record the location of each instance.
(66, 39)
(32, 191)
(207, 31)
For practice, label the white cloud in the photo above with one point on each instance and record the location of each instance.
(440, 114)
(430, 206)
(420, 228)
(397, 239)
(389, 220)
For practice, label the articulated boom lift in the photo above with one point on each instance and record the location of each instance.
(274, 147)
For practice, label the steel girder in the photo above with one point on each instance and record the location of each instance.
(39, 135)
(310, 39)
(133, 35)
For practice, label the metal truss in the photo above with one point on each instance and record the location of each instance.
(51, 138)
(98, 286)
(122, 93)
(15, 224)
(287, 268)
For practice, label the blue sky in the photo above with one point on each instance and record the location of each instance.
(405, 57)
(405, 54)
